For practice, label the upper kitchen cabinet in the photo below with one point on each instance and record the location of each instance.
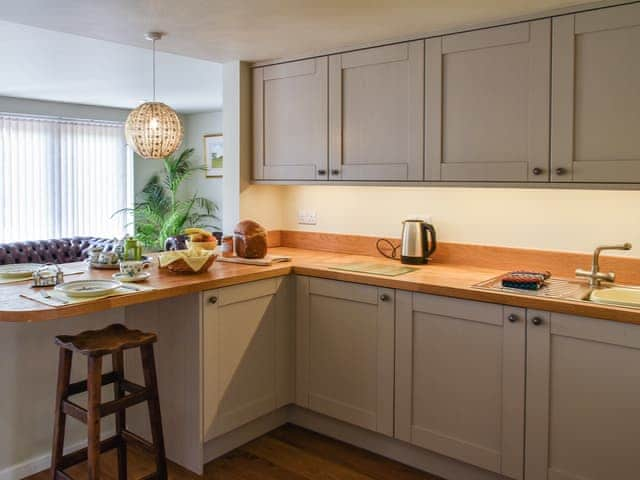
(376, 118)
(290, 121)
(487, 104)
(596, 96)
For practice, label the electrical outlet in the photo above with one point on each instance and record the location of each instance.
(307, 217)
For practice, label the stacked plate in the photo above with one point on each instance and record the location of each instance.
(19, 270)
(88, 288)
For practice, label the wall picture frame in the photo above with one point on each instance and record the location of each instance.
(214, 154)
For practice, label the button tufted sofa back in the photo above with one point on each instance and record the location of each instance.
(59, 250)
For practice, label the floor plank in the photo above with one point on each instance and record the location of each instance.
(287, 453)
(360, 460)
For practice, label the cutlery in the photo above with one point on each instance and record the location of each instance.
(48, 296)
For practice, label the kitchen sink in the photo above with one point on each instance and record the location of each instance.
(576, 290)
(616, 295)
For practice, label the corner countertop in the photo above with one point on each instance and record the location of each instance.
(438, 279)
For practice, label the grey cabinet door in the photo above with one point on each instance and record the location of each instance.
(460, 385)
(344, 351)
(487, 104)
(583, 398)
(290, 121)
(375, 113)
(248, 353)
(596, 96)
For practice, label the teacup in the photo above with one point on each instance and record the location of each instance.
(94, 254)
(133, 268)
(108, 258)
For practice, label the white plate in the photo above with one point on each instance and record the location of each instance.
(19, 270)
(88, 288)
(123, 277)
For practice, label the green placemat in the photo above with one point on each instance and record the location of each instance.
(374, 268)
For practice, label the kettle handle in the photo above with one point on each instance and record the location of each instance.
(427, 227)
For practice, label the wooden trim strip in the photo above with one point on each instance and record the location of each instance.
(561, 264)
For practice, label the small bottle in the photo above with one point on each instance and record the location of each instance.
(227, 246)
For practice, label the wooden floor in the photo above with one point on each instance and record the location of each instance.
(288, 453)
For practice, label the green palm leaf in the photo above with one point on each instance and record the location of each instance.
(161, 213)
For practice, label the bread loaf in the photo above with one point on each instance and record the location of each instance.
(250, 239)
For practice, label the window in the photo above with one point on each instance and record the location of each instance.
(61, 178)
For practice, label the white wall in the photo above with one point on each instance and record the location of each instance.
(196, 125)
(572, 220)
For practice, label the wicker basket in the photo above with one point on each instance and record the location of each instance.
(180, 266)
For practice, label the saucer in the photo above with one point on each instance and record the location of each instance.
(123, 277)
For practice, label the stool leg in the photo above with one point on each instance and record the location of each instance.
(155, 419)
(64, 377)
(121, 422)
(94, 384)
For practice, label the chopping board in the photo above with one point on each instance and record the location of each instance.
(266, 261)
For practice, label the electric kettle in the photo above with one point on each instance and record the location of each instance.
(416, 246)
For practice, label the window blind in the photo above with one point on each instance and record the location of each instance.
(62, 177)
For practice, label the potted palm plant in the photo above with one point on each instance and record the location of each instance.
(161, 212)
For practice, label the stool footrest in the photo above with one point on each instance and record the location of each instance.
(80, 387)
(74, 410)
(125, 402)
(79, 456)
(141, 394)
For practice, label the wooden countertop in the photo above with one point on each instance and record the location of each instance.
(438, 279)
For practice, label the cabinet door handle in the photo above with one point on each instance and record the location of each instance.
(561, 171)
(335, 172)
(322, 172)
(384, 297)
(512, 318)
(213, 300)
(537, 171)
(536, 321)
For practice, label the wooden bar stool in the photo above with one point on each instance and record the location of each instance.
(95, 344)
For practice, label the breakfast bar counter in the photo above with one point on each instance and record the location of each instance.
(436, 278)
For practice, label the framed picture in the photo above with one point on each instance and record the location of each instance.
(214, 154)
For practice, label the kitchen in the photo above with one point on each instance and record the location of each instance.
(517, 141)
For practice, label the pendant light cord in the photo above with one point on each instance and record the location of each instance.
(154, 69)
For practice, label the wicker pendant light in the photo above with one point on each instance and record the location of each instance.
(154, 130)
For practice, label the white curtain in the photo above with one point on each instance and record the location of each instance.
(61, 178)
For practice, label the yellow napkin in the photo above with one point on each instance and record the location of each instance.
(194, 257)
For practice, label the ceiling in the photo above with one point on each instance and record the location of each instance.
(47, 65)
(223, 30)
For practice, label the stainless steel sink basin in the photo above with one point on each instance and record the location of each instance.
(575, 290)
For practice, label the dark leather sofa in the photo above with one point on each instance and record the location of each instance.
(59, 250)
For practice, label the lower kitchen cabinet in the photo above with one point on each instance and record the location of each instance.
(460, 380)
(583, 398)
(345, 351)
(248, 353)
